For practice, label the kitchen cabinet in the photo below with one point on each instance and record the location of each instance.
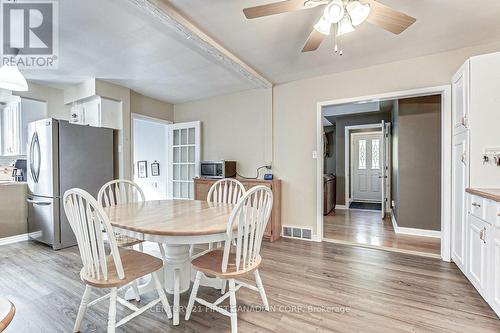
(460, 94)
(98, 112)
(494, 289)
(477, 254)
(273, 228)
(460, 181)
(483, 244)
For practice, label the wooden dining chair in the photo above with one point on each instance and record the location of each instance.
(122, 191)
(101, 269)
(227, 190)
(246, 224)
(7, 312)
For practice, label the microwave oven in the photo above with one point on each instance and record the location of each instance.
(217, 169)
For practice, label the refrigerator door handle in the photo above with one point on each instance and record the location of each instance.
(32, 146)
(39, 157)
(40, 203)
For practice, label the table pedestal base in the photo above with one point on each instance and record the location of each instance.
(178, 268)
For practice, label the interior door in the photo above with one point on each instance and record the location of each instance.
(366, 159)
(184, 159)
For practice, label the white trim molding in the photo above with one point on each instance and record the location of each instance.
(413, 231)
(446, 135)
(13, 239)
(177, 22)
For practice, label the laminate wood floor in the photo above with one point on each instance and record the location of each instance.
(312, 287)
(366, 228)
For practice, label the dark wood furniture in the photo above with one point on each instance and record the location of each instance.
(273, 229)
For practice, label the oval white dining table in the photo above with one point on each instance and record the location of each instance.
(178, 224)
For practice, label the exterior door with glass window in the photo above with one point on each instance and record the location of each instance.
(184, 161)
(366, 161)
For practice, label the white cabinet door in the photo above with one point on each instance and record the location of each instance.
(477, 254)
(460, 96)
(110, 113)
(184, 159)
(92, 112)
(460, 181)
(494, 281)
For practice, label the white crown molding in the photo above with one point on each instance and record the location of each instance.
(173, 19)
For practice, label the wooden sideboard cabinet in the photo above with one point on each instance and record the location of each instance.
(273, 229)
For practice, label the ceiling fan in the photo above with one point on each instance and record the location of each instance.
(342, 15)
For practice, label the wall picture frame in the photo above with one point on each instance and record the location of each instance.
(155, 169)
(142, 169)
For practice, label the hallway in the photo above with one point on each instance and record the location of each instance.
(365, 228)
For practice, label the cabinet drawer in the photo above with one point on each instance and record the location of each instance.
(492, 211)
(477, 207)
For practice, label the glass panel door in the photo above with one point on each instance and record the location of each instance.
(184, 148)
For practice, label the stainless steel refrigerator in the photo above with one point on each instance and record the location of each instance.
(63, 156)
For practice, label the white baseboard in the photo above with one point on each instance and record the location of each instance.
(13, 239)
(315, 238)
(413, 231)
(341, 207)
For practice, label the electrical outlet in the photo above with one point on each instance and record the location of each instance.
(315, 154)
(393, 203)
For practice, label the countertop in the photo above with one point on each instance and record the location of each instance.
(488, 193)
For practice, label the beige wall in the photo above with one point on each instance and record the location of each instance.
(234, 127)
(295, 117)
(150, 107)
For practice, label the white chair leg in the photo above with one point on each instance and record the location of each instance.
(194, 292)
(135, 286)
(141, 247)
(262, 292)
(223, 289)
(177, 283)
(112, 311)
(161, 294)
(191, 250)
(162, 253)
(82, 309)
(210, 246)
(232, 304)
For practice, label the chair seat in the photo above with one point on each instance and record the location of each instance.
(211, 263)
(135, 265)
(7, 311)
(126, 241)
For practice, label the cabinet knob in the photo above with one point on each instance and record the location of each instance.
(482, 235)
(463, 159)
(475, 204)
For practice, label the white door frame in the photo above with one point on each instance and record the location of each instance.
(348, 158)
(137, 116)
(446, 134)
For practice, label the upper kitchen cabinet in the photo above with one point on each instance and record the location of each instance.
(98, 112)
(460, 95)
(14, 125)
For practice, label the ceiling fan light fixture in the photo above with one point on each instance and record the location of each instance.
(323, 26)
(334, 11)
(358, 12)
(344, 26)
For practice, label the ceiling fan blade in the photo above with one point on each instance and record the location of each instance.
(314, 41)
(388, 18)
(274, 8)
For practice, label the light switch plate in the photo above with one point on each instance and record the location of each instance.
(315, 154)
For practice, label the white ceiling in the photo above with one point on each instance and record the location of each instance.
(116, 41)
(272, 44)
